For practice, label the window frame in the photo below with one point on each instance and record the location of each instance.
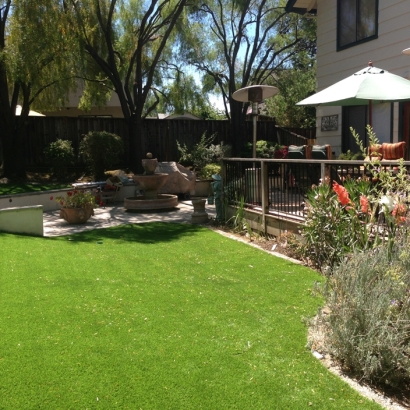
(361, 41)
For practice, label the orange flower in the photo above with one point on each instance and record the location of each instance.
(364, 203)
(399, 209)
(342, 193)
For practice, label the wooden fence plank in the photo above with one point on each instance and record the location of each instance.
(158, 136)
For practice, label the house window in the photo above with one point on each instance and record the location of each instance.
(356, 22)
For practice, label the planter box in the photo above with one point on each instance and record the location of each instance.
(203, 187)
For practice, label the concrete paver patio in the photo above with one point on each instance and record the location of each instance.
(116, 214)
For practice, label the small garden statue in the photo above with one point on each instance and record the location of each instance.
(217, 189)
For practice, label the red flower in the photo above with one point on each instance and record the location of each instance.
(51, 198)
(342, 193)
(364, 203)
(69, 193)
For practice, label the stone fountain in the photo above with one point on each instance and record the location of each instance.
(150, 182)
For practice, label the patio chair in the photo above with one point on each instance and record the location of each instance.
(293, 172)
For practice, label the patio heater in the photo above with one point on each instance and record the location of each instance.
(255, 94)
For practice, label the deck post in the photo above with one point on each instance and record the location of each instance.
(265, 193)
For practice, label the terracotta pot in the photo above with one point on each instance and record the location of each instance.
(76, 215)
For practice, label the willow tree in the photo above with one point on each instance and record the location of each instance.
(239, 43)
(127, 45)
(35, 69)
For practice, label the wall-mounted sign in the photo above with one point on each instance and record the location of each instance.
(329, 123)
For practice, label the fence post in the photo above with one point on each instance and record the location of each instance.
(264, 193)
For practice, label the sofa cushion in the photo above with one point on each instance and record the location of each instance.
(393, 151)
(319, 152)
(297, 152)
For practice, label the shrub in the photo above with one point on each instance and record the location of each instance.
(60, 155)
(349, 155)
(368, 320)
(264, 149)
(208, 170)
(336, 225)
(101, 150)
(356, 216)
(202, 153)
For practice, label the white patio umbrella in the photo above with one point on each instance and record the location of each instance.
(31, 113)
(368, 86)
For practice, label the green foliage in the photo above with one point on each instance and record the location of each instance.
(350, 156)
(368, 324)
(373, 140)
(232, 48)
(101, 150)
(264, 149)
(60, 155)
(77, 199)
(294, 85)
(238, 223)
(185, 95)
(357, 216)
(208, 170)
(202, 153)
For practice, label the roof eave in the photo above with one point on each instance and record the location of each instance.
(290, 8)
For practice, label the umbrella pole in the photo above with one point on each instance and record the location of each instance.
(370, 113)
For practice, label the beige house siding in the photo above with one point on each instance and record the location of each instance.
(385, 52)
(112, 108)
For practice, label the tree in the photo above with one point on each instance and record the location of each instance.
(294, 85)
(240, 43)
(126, 45)
(34, 69)
(183, 95)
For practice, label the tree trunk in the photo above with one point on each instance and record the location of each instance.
(134, 153)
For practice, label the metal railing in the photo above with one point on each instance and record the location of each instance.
(279, 186)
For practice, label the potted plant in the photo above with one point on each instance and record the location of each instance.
(204, 157)
(77, 206)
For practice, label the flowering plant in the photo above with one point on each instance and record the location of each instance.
(355, 216)
(77, 199)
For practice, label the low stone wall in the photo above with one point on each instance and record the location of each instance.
(267, 224)
(25, 219)
(44, 198)
(47, 199)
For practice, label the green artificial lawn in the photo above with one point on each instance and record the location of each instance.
(158, 316)
(20, 188)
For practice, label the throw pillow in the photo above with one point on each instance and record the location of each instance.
(393, 151)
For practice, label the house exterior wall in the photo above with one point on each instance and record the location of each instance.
(385, 52)
(111, 109)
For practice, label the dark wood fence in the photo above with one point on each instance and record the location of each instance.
(158, 136)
